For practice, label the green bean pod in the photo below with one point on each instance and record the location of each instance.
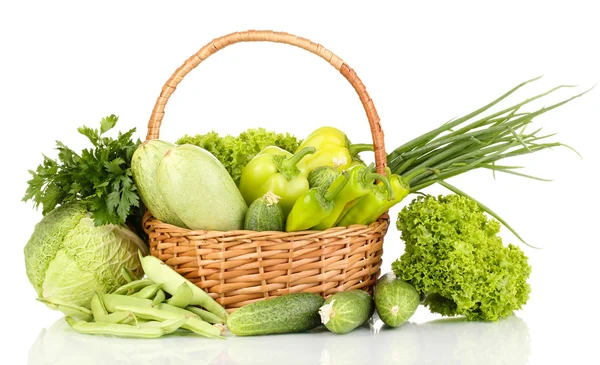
(205, 315)
(147, 292)
(169, 326)
(159, 297)
(182, 297)
(69, 309)
(133, 286)
(193, 324)
(125, 330)
(127, 274)
(111, 301)
(159, 272)
(97, 307)
(116, 317)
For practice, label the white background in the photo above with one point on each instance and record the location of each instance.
(63, 65)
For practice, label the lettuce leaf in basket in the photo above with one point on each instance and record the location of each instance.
(235, 152)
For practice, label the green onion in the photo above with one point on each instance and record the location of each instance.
(474, 141)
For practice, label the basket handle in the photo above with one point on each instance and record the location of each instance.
(277, 37)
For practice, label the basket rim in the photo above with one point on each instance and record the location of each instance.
(148, 217)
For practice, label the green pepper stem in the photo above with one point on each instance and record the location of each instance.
(287, 165)
(371, 176)
(336, 186)
(355, 149)
(292, 161)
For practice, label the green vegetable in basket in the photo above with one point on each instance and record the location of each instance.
(198, 190)
(315, 205)
(235, 152)
(278, 171)
(68, 258)
(144, 167)
(333, 148)
(360, 183)
(265, 214)
(377, 201)
(456, 259)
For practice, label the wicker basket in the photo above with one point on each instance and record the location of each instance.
(240, 267)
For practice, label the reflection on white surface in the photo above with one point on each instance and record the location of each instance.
(447, 341)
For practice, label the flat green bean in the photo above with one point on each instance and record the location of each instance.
(69, 309)
(159, 297)
(112, 300)
(170, 325)
(133, 286)
(159, 272)
(125, 330)
(182, 297)
(116, 317)
(147, 292)
(205, 315)
(98, 310)
(177, 310)
(193, 324)
(127, 274)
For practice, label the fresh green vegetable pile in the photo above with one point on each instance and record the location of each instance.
(82, 256)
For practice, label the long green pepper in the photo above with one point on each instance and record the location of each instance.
(372, 205)
(360, 183)
(315, 205)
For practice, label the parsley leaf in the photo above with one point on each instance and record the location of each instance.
(99, 176)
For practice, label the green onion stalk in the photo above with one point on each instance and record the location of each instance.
(474, 141)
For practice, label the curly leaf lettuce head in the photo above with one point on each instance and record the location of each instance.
(456, 259)
(235, 152)
(68, 257)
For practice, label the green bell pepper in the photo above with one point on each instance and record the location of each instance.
(315, 205)
(333, 148)
(372, 205)
(275, 169)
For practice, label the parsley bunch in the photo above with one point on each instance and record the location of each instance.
(100, 177)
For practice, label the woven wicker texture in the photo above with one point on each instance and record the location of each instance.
(240, 267)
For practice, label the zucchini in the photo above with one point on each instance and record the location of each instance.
(347, 310)
(290, 313)
(144, 166)
(265, 214)
(395, 300)
(197, 188)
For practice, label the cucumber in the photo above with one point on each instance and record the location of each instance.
(395, 300)
(198, 189)
(347, 310)
(290, 313)
(265, 214)
(144, 165)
